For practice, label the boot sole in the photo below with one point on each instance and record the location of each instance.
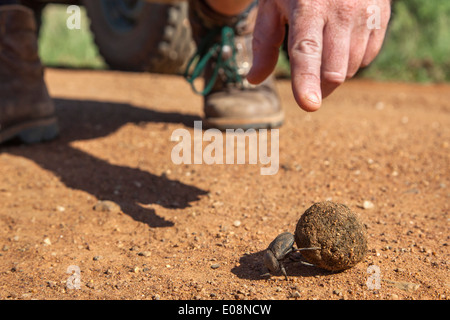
(268, 122)
(32, 132)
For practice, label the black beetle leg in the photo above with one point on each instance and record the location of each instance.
(283, 271)
(295, 258)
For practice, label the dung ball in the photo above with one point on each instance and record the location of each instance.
(337, 230)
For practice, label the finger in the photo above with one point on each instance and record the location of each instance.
(374, 45)
(335, 57)
(376, 38)
(359, 41)
(305, 51)
(358, 46)
(268, 36)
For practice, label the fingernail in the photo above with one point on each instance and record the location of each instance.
(313, 97)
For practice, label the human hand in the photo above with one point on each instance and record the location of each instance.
(329, 40)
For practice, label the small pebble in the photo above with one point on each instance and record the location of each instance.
(107, 206)
(337, 292)
(236, 223)
(215, 266)
(379, 105)
(368, 205)
(145, 254)
(47, 241)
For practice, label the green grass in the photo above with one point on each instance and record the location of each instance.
(60, 46)
(417, 45)
(416, 48)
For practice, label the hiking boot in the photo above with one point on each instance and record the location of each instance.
(26, 110)
(224, 57)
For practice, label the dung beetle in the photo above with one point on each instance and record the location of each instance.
(279, 249)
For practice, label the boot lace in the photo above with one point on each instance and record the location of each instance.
(226, 65)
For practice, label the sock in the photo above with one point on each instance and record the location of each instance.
(5, 2)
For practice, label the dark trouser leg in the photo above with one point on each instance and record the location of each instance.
(5, 2)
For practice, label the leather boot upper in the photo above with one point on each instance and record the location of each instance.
(23, 93)
(231, 102)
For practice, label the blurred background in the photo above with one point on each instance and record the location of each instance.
(416, 49)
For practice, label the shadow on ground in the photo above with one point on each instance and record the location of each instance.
(81, 120)
(251, 267)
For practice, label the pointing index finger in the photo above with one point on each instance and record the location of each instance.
(305, 51)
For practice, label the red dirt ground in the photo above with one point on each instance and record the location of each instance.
(198, 231)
